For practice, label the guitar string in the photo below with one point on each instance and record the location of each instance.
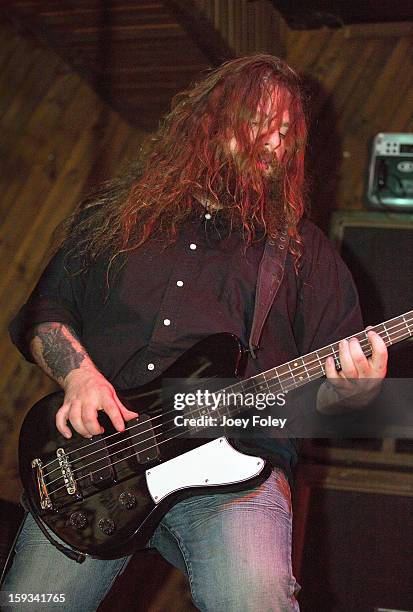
(288, 375)
(130, 456)
(122, 459)
(154, 427)
(133, 455)
(314, 377)
(82, 458)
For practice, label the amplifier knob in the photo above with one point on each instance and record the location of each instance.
(107, 526)
(78, 520)
(127, 500)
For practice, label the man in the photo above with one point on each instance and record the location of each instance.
(170, 254)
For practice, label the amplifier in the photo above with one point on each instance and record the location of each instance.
(390, 174)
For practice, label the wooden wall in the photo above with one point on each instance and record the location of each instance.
(57, 139)
(360, 82)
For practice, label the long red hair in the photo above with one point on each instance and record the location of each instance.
(189, 155)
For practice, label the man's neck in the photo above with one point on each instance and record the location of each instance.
(207, 202)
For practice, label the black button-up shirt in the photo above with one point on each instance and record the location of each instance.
(164, 299)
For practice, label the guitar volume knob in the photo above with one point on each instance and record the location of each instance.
(78, 520)
(127, 500)
(107, 526)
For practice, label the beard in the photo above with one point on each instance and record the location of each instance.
(251, 195)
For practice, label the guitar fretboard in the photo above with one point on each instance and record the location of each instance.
(302, 370)
(311, 366)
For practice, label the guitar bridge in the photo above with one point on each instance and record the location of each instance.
(45, 501)
(67, 472)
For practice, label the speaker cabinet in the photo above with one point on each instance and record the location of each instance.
(357, 552)
(354, 498)
(378, 249)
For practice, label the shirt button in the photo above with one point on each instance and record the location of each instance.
(180, 283)
(151, 366)
(166, 322)
(207, 215)
(192, 246)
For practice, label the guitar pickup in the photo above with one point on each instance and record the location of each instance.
(143, 438)
(98, 464)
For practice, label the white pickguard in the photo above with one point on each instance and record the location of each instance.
(209, 465)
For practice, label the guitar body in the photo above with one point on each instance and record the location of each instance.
(105, 496)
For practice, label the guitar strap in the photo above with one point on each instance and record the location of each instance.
(270, 275)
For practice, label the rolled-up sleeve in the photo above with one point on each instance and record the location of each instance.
(57, 297)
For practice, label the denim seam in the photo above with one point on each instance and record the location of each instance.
(294, 586)
(115, 577)
(185, 556)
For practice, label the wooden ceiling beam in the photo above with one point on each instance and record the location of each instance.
(199, 28)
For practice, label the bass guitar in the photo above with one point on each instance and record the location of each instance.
(104, 496)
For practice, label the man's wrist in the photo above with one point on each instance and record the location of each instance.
(84, 371)
(331, 399)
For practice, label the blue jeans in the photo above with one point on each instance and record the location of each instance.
(235, 549)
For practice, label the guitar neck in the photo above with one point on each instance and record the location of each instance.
(305, 369)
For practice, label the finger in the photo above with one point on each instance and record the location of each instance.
(379, 353)
(115, 415)
(126, 413)
(61, 421)
(348, 367)
(76, 419)
(336, 379)
(90, 421)
(360, 361)
(330, 368)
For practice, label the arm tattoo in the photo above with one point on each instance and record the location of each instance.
(58, 352)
